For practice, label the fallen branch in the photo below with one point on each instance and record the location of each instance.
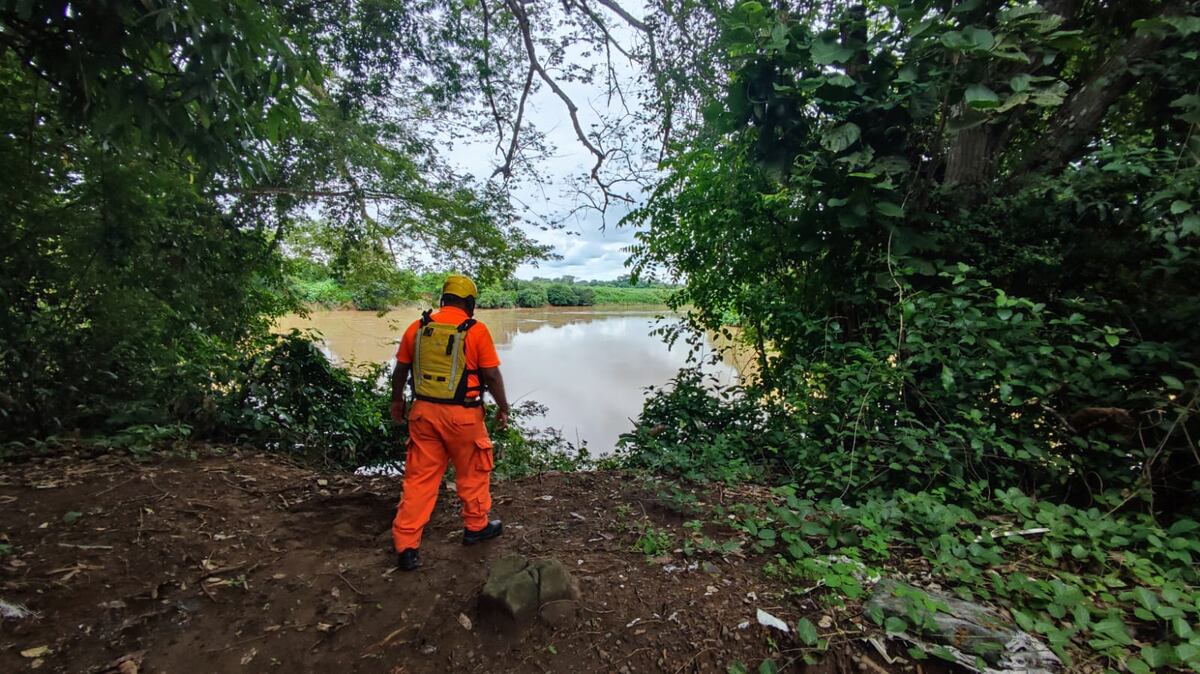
(351, 585)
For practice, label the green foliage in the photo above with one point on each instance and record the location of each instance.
(972, 395)
(325, 292)
(684, 430)
(531, 296)
(158, 199)
(490, 298)
(838, 183)
(293, 400)
(630, 295)
(523, 449)
(1076, 577)
(562, 295)
(653, 542)
(971, 285)
(142, 440)
(215, 81)
(126, 292)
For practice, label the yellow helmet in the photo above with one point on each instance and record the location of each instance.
(460, 286)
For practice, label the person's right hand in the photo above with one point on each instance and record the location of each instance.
(502, 418)
(398, 411)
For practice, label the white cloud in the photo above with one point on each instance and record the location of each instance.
(591, 245)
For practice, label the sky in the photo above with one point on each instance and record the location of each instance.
(591, 245)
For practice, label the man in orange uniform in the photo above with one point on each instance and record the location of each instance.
(452, 360)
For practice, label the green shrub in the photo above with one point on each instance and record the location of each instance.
(979, 390)
(293, 400)
(374, 296)
(491, 298)
(523, 450)
(325, 292)
(1077, 578)
(561, 295)
(380, 287)
(630, 295)
(531, 296)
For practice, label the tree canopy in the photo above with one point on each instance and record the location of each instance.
(916, 207)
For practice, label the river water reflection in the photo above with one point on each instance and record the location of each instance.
(589, 365)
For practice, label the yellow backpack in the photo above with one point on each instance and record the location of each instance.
(440, 365)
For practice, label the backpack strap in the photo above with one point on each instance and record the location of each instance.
(463, 328)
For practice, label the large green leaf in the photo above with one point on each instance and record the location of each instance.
(826, 51)
(980, 97)
(1051, 96)
(807, 632)
(889, 209)
(1013, 101)
(969, 39)
(980, 39)
(840, 137)
(1019, 83)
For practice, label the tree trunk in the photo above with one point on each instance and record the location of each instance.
(969, 161)
(1079, 116)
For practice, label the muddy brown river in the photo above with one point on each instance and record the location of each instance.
(589, 365)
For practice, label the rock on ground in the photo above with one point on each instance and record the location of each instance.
(518, 588)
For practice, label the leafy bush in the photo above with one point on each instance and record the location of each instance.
(375, 296)
(1120, 585)
(584, 297)
(980, 387)
(325, 292)
(523, 450)
(490, 298)
(630, 295)
(562, 295)
(144, 299)
(295, 401)
(531, 296)
(696, 430)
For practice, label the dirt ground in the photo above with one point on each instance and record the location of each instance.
(243, 562)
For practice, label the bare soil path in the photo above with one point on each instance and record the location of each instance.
(244, 562)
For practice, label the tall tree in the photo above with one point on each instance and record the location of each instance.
(863, 165)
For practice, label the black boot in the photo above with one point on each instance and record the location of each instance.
(492, 530)
(409, 559)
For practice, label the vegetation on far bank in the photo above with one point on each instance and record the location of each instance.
(315, 286)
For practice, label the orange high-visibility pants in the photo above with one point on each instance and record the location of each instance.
(437, 435)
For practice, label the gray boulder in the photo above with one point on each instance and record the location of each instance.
(521, 589)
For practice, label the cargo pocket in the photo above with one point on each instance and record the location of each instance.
(483, 454)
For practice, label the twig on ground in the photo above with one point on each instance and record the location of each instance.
(351, 585)
(115, 486)
(208, 592)
(85, 547)
(693, 659)
(243, 642)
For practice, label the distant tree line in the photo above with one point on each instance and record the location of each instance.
(382, 287)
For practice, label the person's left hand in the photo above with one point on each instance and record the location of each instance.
(398, 411)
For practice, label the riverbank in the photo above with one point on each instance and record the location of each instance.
(241, 561)
(325, 293)
(591, 366)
